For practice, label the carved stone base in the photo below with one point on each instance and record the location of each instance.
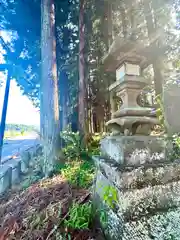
(136, 125)
(135, 150)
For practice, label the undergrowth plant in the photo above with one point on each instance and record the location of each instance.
(160, 111)
(80, 216)
(74, 144)
(78, 146)
(110, 200)
(79, 174)
(175, 151)
(110, 196)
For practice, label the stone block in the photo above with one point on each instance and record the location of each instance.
(171, 98)
(159, 226)
(137, 178)
(25, 161)
(39, 150)
(16, 170)
(113, 224)
(165, 195)
(135, 150)
(135, 203)
(5, 178)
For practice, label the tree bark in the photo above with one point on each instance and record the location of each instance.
(63, 100)
(82, 101)
(157, 60)
(49, 87)
(122, 9)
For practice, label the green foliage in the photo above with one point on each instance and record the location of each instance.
(22, 132)
(93, 143)
(77, 147)
(79, 174)
(175, 139)
(74, 143)
(160, 111)
(25, 33)
(103, 218)
(80, 216)
(110, 199)
(58, 168)
(110, 196)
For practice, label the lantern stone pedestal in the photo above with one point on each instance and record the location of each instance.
(135, 150)
(147, 196)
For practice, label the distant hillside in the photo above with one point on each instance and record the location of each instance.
(20, 127)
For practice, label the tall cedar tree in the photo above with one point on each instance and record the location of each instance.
(49, 86)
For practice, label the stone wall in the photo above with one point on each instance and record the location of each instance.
(12, 169)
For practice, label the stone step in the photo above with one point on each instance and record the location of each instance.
(139, 202)
(160, 226)
(140, 177)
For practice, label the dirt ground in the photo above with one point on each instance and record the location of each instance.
(37, 212)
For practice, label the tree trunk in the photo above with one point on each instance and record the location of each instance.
(157, 60)
(49, 87)
(63, 100)
(82, 101)
(122, 9)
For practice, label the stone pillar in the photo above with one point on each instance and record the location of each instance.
(112, 103)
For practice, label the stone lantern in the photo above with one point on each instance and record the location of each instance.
(133, 164)
(131, 118)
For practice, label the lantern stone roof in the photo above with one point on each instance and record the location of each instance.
(125, 50)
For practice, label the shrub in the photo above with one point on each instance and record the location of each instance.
(74, 144)
(79, 174)
(77, 146)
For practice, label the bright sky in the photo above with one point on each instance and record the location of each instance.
(20, 109)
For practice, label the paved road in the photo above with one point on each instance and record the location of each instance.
(13, 146)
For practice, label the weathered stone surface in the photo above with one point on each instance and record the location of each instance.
(134, 150)
(140, 177)
(16, 170)
(135, 124)
(113, 224)
(160, 226)
(136, 203)
(5, 179)
(164, 195)
(137, 111)
(156, 197)
(171, 99)
(25, 161)
(137, 53)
